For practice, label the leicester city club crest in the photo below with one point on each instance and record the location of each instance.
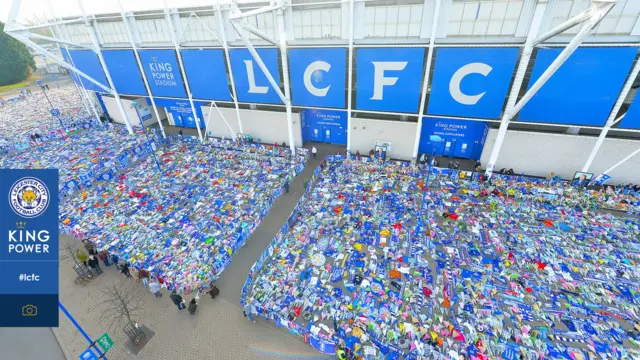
(29, 197)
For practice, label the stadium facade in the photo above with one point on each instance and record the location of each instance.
(534, 85)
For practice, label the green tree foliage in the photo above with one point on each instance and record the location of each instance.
(16, 63)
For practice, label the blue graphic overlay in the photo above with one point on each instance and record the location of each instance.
(124, 71)
(87, 61)
(163, 73)
(318, 77)
(471, 82)
(583, 90)
(389, 79)
(207, 74)
(29, 248)
(251, 83)
(461, 138)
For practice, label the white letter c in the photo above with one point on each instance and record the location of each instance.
(456, 79)
(308, 72)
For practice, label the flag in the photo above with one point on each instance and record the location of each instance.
(601, 179)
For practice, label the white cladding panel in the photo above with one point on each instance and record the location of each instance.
(539, 154)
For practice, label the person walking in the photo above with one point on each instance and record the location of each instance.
(124, 268)
(314, 151)
(104, 256)
(154, 287)
(143, 276)
(177, 300)
(81, 256)
(88, 245)
(193, 304)
(248, 311)
(286, 186)
(134, 273)
(95, 264)
(214, 291)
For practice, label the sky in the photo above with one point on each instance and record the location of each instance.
(61, 8)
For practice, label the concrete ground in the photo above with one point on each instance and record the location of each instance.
(217, 331)
(29, 344)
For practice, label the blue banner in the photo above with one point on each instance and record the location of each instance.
(389, 79)
(583, 90)
(207, 74)
(124, 71)
(163, 73)
(631, 119)
(471, 82)
(460, 138)
(251, 83)
(29, 248)
(87, 61)
(329, 126)
(318, 77)
(181, 111)
(67, 58)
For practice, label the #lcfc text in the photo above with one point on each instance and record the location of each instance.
(28, 241)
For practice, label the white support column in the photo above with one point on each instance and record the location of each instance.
(259, 62)
(57, 32)
(425, 80)
(285, 75)
(512, 107)
(184, 74)
(350, 75)
(98, 51)
(223, 36)
(144, 75)
(634, 153)
(90, 101)
(612, 116)
(598, 144)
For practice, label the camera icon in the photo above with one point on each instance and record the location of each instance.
(29, 310)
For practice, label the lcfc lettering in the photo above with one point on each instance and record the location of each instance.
(28, 241)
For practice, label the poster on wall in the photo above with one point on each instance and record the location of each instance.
(163, 73)
(581, 179)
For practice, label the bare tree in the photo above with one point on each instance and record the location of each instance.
(68, 254)
(122, 306)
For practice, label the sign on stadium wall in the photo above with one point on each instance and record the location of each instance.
(471, 82)
(251, 84)
(466, 82)
(163, 73)
(583, 90)
(124, 71)
(318, 77)
(207, 74)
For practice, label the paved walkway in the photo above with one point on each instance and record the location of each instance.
(217, 331)
(18, 343)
